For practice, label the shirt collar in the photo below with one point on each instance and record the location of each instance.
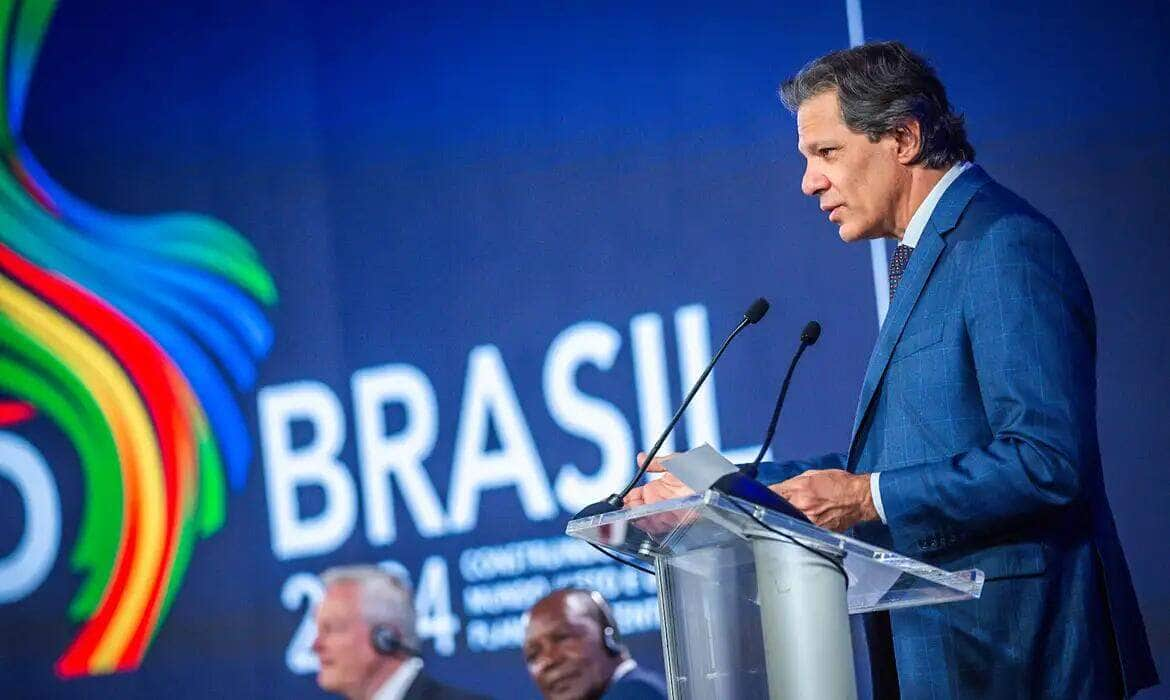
(623, 669)
(922, 214)
(396, 685)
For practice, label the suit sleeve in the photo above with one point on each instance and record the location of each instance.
(1031, 336)
(775, 472)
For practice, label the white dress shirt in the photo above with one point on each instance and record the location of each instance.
(622, 670)
(396, 685)
(910, 239)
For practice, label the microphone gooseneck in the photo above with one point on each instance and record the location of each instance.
(808, 337)
(754, 313)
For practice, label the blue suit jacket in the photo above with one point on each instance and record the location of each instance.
(638, 684)
(979, 410)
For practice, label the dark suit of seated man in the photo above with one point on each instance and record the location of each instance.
(574, 651)
(366, 639)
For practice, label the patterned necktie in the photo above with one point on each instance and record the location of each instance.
(898, 264)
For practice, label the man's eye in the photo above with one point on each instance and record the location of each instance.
(824, 152)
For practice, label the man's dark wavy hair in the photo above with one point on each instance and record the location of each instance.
(881, 86)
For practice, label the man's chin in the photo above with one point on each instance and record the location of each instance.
(566, 689)
(848, 233)
(326, 680)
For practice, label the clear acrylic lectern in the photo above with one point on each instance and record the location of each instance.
(754, 603)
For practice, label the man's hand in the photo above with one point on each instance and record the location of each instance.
(831, 498)
(663, 488)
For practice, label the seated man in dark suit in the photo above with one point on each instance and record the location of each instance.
(574, 651)
(366, 639)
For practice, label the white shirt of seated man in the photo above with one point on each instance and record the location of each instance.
(358, 599)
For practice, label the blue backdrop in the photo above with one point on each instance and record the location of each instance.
(503, 236)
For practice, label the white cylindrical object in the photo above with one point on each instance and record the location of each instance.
(805, 621)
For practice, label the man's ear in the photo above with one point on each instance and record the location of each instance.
(908, 141)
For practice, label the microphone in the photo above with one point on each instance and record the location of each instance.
(808, 336)
(754, 313)
(742, 483)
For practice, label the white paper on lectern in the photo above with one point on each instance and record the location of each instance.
(703, 466)
(699, 467)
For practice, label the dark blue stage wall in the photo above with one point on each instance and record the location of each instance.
(503, 241)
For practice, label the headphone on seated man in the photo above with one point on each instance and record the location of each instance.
(611, 638)
(386, 642)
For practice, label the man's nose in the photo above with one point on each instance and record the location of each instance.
(813, 182)
(543, 663)
(316, 644)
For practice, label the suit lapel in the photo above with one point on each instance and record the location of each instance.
(926, 254)
(909, 289)
(419, 688)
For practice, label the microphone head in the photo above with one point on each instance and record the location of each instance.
(757, 310)
(811, 332)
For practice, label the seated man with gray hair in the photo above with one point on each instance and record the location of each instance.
(366, 639)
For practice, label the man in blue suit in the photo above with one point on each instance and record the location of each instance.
(975, 442)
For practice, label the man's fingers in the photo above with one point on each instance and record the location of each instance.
(634, 497)
(656, 465)
(662, 490)
(799, 497)
(659, 491)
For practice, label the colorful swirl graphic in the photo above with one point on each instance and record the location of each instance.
(133, 335)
